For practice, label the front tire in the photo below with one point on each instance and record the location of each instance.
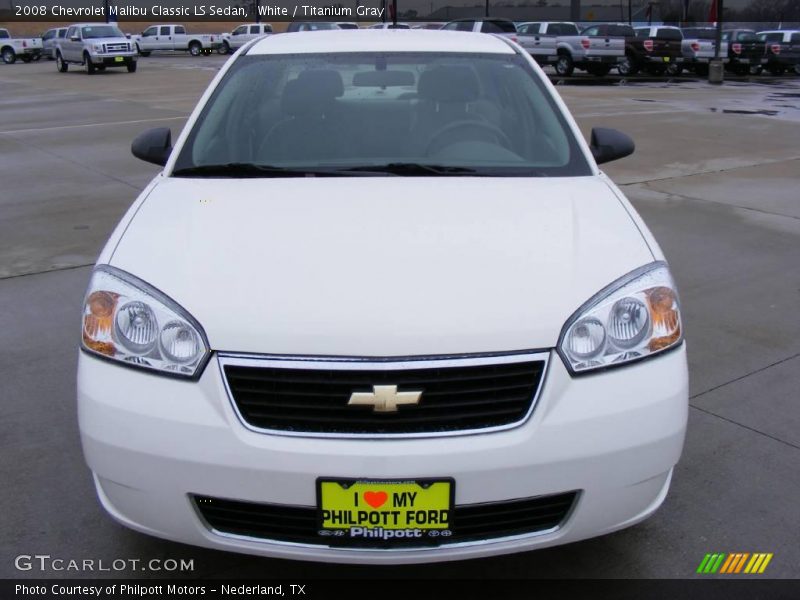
(131, 66)
(195, 49)
(62, 66)
(87, 61)
(9, 56)
(674, 69)
(564, 65)
(142, 52)
(225, 48)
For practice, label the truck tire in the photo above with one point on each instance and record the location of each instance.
(26, 58)
(9, 56)
(62, 66)
(674, 69)
(225, 48)
(628, 67)
(36, 57)
(776, 70)
(87, 61)
(142, 52)
(131, 66)
(564, 65)
(195, 49)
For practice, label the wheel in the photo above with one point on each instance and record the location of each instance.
(741, 69)
(131, 66)
(9, 56)
(437, 141)
(195, 48)
(60, 64)
(674, 69)
(656, 70)
(776, 71)
(87, 61)
(142, 52)
(757, 70)
(206, 51)
(26, 58)
(627, 67)
(36, 57)
(225, 48)
(598, 70)
(564, 65)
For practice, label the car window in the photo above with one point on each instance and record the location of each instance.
(498, 27)
(668, 33)
(164, 31)
(4, 34)
(240, 30)
(643, 33)
(62, 33)
(701, 34)
(150, 31)
(180, 30)
(487, 112)
(255, 29)
(746, 36)
(591, 31)
(564, 29)
(72, 32)
(795, 39)
(100, 31)
(621, 31)
(48, 35)
(774, 37)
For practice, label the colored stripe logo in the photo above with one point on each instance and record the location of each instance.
(735, 563)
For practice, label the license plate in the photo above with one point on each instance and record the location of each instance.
(118, 59)
(385, 511)
(666, 59)
(744, 61)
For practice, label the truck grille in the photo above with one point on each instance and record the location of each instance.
(311, 396)
(471, 522)
(116, 47)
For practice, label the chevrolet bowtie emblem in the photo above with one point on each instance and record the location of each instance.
(384, 398)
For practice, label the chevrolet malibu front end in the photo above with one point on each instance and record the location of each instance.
(381, 306)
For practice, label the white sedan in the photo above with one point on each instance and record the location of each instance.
(381, 306)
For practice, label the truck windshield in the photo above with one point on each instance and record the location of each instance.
(700, 34)
(471, 114)
(100, 31)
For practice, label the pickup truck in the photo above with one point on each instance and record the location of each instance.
(95, 46)
(542, 48)
(782, 50)
(699, 48)
(174, 38)
(27, 49)
(49, 40)
(243, 34)
(653, 49)
(745, 51)
(596, 54)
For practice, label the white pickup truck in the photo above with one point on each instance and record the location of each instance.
(542, 48)
(594, 54)
(95, 46)
(174, 38)
(699, 48)
(243, 34)
(26, 49)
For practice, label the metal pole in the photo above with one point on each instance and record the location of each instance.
(487, 9)
(258, 13)
(719, 29)
(630, 13)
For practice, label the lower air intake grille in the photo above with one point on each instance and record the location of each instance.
(471, 522)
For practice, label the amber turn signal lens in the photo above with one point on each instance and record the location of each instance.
(666, 317)
(98, 318)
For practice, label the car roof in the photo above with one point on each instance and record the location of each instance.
(381, 40)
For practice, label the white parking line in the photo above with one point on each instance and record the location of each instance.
(93, 125)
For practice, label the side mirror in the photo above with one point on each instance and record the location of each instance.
(610, 144)
(75, 38)
(153, 146)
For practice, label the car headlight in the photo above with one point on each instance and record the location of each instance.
(129, 321)
(98, 47)
(636, 316)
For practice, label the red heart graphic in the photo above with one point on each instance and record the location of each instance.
(376, 499)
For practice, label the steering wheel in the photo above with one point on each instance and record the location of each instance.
(484, 127)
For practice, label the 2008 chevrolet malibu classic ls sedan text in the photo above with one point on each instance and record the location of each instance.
(381, 306)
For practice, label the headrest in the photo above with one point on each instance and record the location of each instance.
(383, 78)
(449, 84)
(312, 92)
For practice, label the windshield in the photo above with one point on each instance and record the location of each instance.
(101, 31)
(701, 34)
(482, 114)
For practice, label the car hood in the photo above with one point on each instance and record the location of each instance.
(390, 266)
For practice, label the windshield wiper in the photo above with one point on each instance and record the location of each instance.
(255, 170)
(411, 169)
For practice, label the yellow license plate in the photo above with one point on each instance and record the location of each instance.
(666, 59)
(118, 59)
(385, 509)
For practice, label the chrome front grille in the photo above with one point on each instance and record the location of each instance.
(312, 396)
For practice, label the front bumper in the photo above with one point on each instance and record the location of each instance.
(152, 441)
(602, 60)
(111, 60)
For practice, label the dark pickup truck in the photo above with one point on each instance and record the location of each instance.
(782, 50)
(646, 48)
(745, 52)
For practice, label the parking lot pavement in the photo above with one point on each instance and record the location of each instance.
(718, 189)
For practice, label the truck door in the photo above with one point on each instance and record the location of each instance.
(164, 38)
(148, 40)
(70, 47)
